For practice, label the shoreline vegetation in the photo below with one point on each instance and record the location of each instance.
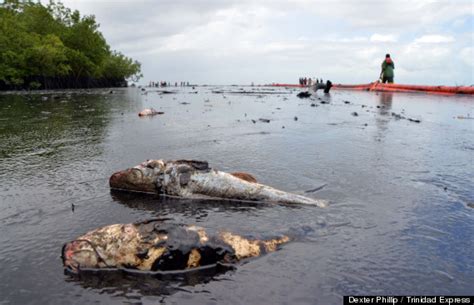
(52, 47)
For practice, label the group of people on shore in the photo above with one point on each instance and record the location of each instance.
(167, 84)
(386, 76)
(309, 81)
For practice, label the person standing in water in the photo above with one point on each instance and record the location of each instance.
(387, 70)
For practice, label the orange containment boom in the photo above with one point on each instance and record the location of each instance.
(408, 88)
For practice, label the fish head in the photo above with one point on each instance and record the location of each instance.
(141, 178)
(106, 247)
(79, 254)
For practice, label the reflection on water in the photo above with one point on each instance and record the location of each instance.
(385, 102)
(398, 221)
(134, 285)
(383, 108)
(167, 205)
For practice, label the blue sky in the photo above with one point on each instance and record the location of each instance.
(239, 42)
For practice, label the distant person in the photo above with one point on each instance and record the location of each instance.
(387, 70)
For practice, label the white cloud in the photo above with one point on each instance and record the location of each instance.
(467, 56)
(383, 38)
(236, 41)
(434, 39)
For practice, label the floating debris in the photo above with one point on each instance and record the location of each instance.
(304, 94)
(397, 116)
(149, 112)
(316, 189)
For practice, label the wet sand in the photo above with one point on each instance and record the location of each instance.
(399, 221)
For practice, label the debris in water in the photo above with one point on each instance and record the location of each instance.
(149, 112)
(355, 114)
(316, 189)
(304, 94)
(397, 116)
(296, 118)
(264, 120)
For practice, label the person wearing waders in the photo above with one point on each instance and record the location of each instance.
(387, 70)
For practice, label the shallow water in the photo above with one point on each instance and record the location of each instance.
(400, 218)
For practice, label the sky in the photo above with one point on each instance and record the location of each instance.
(245, 41)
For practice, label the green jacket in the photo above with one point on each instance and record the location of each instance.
(387, 67)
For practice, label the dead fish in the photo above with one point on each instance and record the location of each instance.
(156, 245)
(194, 179)
(244, 176)
(149, 111)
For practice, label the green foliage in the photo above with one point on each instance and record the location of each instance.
(53, 41)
